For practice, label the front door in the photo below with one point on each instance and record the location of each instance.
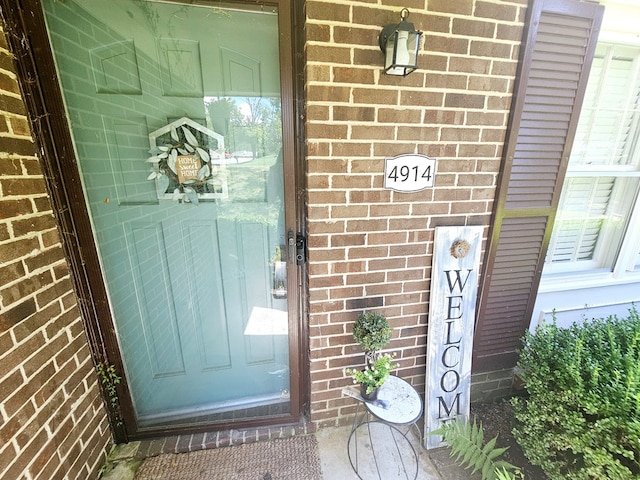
(175, 112)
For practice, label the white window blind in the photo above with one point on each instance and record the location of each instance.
(600, 191)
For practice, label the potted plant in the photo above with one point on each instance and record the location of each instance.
(373, 376)
(372, 332)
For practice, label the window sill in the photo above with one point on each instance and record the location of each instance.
(572, 281)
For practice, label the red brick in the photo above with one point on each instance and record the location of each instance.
(504, 68)
(351, 35)
(351, 211)
(349, 267)
(327, 255)
(389, 210)
(25, 287)
(399, 115)
(326, 227)
(327, 131)
(327, 54)
(347, 240)
(353, 75)
(20, 126)
(473, 28)
(509, 32)
(366, 95)
(318, 10)
(348, 149)
(317, 33)
(32, 166)
(16, 314)
(327, 197)
(366, 278)
(447, 6)
(317, 113)
(507, 13)
(318, 73)
(489, 84)
(485, 48)
(333, 94)
(369, 196)
(44, 258)
(464, 100)
(367, 252)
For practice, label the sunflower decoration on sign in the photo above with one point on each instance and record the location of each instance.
(182, 162)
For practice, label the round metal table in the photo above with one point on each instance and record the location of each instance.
(378, 446)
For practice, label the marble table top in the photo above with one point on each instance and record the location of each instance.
(398, 402)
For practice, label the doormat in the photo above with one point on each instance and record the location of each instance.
(294, 458)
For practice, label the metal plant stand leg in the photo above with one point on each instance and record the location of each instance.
(380, 450)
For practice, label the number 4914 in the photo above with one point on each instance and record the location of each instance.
(409, 173)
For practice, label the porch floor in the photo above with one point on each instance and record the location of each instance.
(332, 448)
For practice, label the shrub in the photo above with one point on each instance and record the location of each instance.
(581, 419)
(372, 331)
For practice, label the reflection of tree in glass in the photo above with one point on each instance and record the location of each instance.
(222, 112)
(249, 124)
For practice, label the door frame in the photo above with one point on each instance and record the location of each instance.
(28, 40)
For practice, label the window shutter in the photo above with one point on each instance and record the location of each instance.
(556, 57)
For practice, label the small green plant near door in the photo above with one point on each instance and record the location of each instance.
(581, 418)
(109, 380)
(466, 440)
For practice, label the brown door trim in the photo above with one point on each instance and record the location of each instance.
(28, 40)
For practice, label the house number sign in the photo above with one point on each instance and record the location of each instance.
(409, 173)
(452, 311)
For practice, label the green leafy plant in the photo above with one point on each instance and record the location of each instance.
(374, 375)
(109, 380)
(467, 443)
(581, 418)
(371, 331)
(505, 474)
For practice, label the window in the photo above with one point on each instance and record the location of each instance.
(596, 229)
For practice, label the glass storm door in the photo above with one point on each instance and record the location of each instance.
(176, 118)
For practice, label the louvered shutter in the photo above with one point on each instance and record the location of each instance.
(560, 43)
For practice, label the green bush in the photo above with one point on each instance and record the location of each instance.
(372, 331)
(581, 418)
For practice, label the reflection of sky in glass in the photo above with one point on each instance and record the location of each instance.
(252, 130)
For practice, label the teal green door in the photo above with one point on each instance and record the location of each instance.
(175, 116)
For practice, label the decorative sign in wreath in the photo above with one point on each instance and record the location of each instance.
(183, 154)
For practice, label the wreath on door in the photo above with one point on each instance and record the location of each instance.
(183, 155)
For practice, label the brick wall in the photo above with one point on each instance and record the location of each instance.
(52, 421)
(370, 247)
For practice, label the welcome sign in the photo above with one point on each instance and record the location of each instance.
(452, 311)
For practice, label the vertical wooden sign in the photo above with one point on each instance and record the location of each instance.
(452, 311)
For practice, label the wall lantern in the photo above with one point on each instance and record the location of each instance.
(400, 43)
